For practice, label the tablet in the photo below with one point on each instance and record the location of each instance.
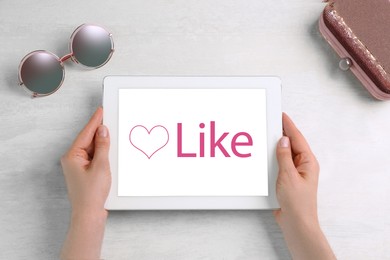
(192, 142)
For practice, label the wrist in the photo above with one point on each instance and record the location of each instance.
(300, 225)
(89, 214)
(85, 234)
(306, 240)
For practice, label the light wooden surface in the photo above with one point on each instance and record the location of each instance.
(347, 129)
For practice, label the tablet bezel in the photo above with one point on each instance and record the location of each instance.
(272, 85)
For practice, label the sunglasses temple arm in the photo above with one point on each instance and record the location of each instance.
(66, 57)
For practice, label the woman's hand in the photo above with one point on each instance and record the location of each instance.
(88, 179)
(296, 191)
(86, 167)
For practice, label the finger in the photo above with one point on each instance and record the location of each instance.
(85, 137)
(102, 147)
(284, 157)
(298, 141)
(304, 158)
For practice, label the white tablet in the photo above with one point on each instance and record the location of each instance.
(192, 142)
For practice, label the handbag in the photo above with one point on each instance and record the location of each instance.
(359, 32)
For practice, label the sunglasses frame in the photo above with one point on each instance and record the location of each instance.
(62, 60)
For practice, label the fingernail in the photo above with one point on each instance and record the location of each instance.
(102, 131)
(284, 142)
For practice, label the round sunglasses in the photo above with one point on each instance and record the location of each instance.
(41, 72)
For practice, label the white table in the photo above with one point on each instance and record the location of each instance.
(345, 126)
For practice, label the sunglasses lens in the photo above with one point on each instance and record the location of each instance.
(41, 72)
(91, 46)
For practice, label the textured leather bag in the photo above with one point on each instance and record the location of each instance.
(359, 31)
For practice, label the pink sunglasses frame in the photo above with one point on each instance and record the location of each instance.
(61, 61)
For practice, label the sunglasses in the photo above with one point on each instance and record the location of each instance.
(42, 73)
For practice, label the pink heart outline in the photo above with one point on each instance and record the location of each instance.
(149, 134)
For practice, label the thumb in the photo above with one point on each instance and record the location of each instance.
(102, 147)
(284, 156)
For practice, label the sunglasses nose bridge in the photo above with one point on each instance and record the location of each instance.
(66, 57)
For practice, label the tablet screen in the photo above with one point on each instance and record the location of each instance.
(192, 142)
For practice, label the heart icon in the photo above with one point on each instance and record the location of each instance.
(150, 141)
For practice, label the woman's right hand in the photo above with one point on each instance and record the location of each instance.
(296, 191)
